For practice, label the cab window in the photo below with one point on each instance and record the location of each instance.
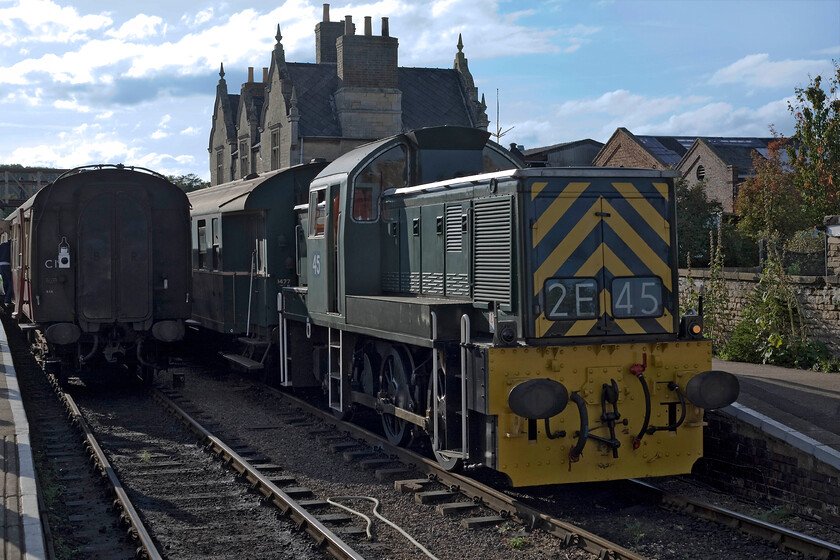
(388, 170)
(317, 212)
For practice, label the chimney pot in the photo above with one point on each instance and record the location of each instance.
(265, 74)
(326, 12)
(348, 25)
(250, 74)
(385, 31)
(368, 26)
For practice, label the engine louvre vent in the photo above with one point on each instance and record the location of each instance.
(492, 272)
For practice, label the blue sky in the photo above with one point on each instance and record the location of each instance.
(85, 82)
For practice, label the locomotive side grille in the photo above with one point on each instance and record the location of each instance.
(457, 285)
(493, 250)
(433, 283)
(453, 229)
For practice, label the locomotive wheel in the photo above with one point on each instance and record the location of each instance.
(448, 463)
(393, 382)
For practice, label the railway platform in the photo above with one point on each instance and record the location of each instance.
(21, 532)
(799, 407)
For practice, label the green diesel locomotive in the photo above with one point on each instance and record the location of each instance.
(525, 319)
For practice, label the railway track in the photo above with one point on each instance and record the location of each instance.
(85, 510)
(464, 491)
(485, 505)
(193, 504)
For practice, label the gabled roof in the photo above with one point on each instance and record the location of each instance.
(315, 85)
(739, 151)
(430, 97)
(668, 150)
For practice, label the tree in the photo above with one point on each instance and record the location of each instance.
(768, 203)
(816, 154)
(188, 183)
(696, 217)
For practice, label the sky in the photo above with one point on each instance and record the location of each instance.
(85, 82)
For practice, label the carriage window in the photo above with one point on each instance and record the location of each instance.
(387, 171)
(317, 212)
(202, 243)
(214, 233)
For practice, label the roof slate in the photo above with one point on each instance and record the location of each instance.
(430, 97)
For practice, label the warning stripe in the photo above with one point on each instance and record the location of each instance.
(564, 249)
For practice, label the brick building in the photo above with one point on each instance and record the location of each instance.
(355, 92)
(724, 163)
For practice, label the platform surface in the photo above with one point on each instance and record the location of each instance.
(21, 530)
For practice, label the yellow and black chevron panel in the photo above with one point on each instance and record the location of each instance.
(602, 257)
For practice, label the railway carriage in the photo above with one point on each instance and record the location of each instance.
(522, 319)
(100, 267)
(243, 252)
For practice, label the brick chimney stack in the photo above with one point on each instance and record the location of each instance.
(250, 74)
(367, 60)
(326, 34)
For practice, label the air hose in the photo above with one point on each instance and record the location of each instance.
(376, 506)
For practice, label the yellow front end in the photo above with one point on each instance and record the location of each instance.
(529, 457)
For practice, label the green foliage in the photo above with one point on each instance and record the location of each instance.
(696, 217)
(717, 295)
(741, 251)
(816, 154)
(518, 543)
(772, 330)
(189, 182)
(768, 203)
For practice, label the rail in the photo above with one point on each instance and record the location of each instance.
(784, 538)
(138, 529)
(333, 544)
(479, 493)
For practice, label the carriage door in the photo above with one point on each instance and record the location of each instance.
(322, 248)
(114, 269)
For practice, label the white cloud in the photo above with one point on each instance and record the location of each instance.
(829, 51)
(105, 115)
(75, 67)
(74, 148)
(200, 17)
(158, 134)
(138, 27)
(46, 22)
(758, 70)
(72, 105)
(165, 119)
(191, 131)
(667, 116)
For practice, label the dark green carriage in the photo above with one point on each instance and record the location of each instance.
(243, 249)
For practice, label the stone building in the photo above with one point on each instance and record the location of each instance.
(355, 92)
(724, 163)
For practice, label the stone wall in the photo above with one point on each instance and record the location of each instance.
(818, 296)
(743, 461)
